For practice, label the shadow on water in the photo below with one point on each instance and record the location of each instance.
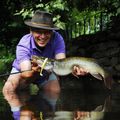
(70, 104)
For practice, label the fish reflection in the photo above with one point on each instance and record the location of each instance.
(44, 106)
(96, 114)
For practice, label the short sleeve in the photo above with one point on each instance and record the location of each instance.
(23, 51)
(59, 44)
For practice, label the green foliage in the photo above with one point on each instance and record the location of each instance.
(70, 12)
(118, 11)
(5, 62)
(113, 6)
(25, 13)
(66, 13)
(56, 7)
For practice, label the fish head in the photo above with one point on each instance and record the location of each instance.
(40, 62)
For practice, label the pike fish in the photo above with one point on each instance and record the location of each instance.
(65, 66)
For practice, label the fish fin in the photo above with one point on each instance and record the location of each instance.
(99, 108)
(108, 80)
(75, 75)
(106, 107)
(107, 104)
(98, 76)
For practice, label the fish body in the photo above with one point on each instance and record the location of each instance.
(65, 66)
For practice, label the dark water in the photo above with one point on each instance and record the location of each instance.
(84, 104)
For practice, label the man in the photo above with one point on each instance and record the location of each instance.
(42, 40)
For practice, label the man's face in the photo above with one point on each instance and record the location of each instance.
(41, 36)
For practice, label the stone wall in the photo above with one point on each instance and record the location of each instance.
(103, 46)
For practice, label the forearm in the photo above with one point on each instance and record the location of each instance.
(27, 74)
(29, 70)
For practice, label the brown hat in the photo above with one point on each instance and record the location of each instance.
(42, 20)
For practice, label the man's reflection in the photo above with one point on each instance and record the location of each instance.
(35, 107)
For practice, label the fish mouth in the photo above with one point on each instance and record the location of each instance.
(47, 66)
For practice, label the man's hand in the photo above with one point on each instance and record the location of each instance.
(35, 66)
(80, 115)
(79, 71)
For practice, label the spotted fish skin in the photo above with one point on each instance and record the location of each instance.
(64, 67)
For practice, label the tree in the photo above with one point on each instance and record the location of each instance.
(66, 13)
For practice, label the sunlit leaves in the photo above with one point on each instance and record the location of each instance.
(25, 13)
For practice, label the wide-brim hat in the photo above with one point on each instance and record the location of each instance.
(41, 20)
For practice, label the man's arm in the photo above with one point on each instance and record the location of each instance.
(26, 65)
(60, 56)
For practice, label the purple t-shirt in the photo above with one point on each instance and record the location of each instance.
(26, 48)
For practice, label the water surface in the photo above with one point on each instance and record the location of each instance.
(71, 103)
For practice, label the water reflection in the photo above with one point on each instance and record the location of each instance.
(31, 107)
(45, 105)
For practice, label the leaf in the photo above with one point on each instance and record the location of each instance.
(118, 11)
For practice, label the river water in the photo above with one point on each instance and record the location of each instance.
(70, 104)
